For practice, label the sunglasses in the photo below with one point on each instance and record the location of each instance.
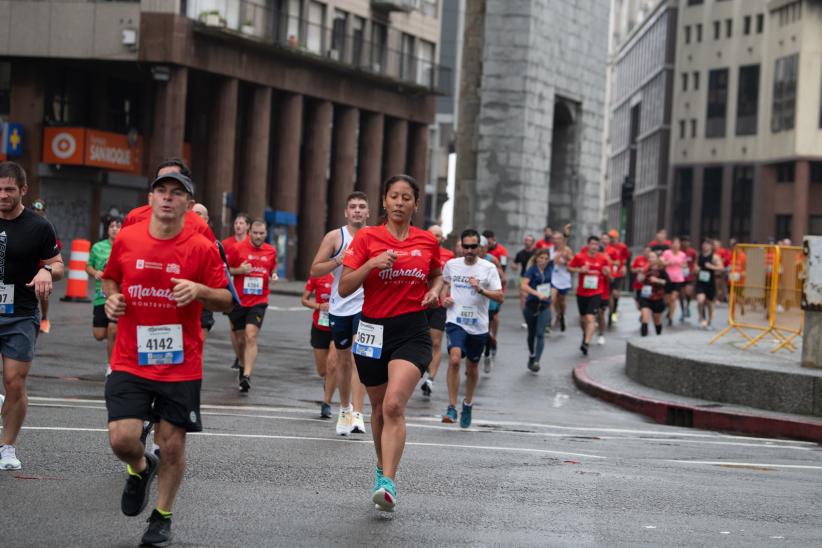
(471, 246)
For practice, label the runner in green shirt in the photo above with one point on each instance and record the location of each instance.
(102, 327)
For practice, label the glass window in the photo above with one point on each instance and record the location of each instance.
(429, 8)
(785, 172)
(815, 225)
(687, 34)
(5, 89)
(783, 226)
(338, 38)
(378, 38)
(729, 27)
(425, 65)
(746, 27)
(717, 30)
(696, 80)
(357, 40)
(407, 57)
(683, 192)
(717, 103)
(760, 23)
(784, 93)
(693, 127)
(699, 32)
(292, 22)
(682, 129)
(816, 172)
(684, 81)
(741, 203)
(694, 2)
(314, 27)
(747, 100)
(711, 202)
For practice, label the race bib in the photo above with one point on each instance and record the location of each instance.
(685, 272)
(704, 276)
(646, 291)
(253, 286)
(590, 281)
(6, 298)
(323, 320)
(503, 261)
(735, 276)
(368, 340)
(160, 344)
(544, 289)
(467, 315)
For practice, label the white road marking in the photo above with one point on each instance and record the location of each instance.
(289, 308)
(729, 464)
(335, 439)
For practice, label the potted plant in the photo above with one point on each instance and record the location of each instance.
(248, 27)
(212, 18)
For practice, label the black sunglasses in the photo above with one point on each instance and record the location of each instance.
(471, 246)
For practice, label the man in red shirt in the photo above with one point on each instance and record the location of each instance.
(592, 267)
(638, 268)
(252, 263)
(619, 254)
(661, 242)
(436, 319)
(548, 239)
(157, 280)
(242, 222)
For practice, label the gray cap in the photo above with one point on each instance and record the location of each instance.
(175, 176)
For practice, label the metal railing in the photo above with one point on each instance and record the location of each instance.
(341, 43)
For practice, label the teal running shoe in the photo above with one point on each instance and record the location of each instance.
(465, 416)
(450, 414)
(377, 477)
(385, 494)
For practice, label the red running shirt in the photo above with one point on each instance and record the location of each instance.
(544, 244)
(321, 287)
(619, 256)
(192, 221)
(400, 290)
(501, 254)
(691, 254)
(593, 282)
(253, 287)
(229, 243)
(445, 256)
(640, 262)
(144, 267)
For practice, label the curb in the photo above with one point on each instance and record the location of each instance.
(677, 414)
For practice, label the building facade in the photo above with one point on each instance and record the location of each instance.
(532, 96)
(747, 150)
(281, 107)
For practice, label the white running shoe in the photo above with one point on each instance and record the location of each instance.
(344, 422)
(601, 340)
(486, 362)
(357, 423)
(8, 458)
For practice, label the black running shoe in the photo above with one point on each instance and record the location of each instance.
(245, 383)
(562, 322)
(136, 491)
(584, 349)
(158, 532)
(236, 364)
(533, 364)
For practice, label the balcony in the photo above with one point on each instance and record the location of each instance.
(395, 5)
(339, 45)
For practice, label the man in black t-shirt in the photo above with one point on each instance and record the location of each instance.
(27, 241)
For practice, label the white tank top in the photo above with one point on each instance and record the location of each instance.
(560, 276)
(348, 306)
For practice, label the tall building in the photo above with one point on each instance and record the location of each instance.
(281, 107)
(532, 96)
(746, 152)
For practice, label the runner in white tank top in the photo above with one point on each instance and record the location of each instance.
(561, 280)
(344, 313)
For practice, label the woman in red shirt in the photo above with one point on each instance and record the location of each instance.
(398, 266)
(324, 355)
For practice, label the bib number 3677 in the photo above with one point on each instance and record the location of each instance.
(368, 341)
(160, 344)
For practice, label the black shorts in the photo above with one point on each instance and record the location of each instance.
(406, 337)
(99, 318)
(589, 305)
(320, 338)
(207, 319)
(131, 397)
(436, 318)
(343, 329)
(657, 306)
(242, 316)
(706, 288)
(670, 287)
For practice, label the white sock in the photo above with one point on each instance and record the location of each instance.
(348, 409)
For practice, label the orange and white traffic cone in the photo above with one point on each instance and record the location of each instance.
(77, 287)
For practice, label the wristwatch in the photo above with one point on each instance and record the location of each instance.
(48, 269)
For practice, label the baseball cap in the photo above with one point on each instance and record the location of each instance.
(174, 176)
(613, 233)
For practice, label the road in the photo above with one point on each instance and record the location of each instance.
(542, 465)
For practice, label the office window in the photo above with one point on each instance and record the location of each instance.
(687, 34)
(784, 93)
(760, 23)
(717, 103)
(357, 40)
(746, 27)
(314, 27)
(785, 172)
(699, 32)
(683, 193)
(425, 63)
(338, 38)
(696, 81)
(783, 226)
(693, 127)
(5, 89)
(684, 81)
(429, 8)
(711, 202)
(741, 203)
(815, 225)
(379, 34)
(694, 2)
(816, 172)
(682, 129)
(729, 27)
(747, 100)
(407, 57)
(717, 30)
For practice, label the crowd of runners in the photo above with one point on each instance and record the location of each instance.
(384, 298)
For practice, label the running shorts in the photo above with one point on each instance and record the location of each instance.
(657, 306)
(589, 305)
(242, 316)
(436, 318)
(670, 287)
(405, 337)
(131, 397)
(708, 289)
(471, 346)
(343, 329)
(18, 334)
(563, 291)
(99, 318)
(320, 338)
(207, 319)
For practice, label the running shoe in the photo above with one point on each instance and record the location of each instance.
(236, 364)
(245, 384)
(465, 416)
(45, 326)
(325, 411)
(614, 317)
(158, 532)
(584, 349)
(601, 340)
(426, 387)
(344, 423)
(562, 322)
(533, 364)
(136, 491)
(493, 347)
(8, 458)
(357, 423)
(523, 326)
(377, 477)
(486, 364)
(385, 495)
(450, 415)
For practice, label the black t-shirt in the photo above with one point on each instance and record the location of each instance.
(522, 259)
(24, 242)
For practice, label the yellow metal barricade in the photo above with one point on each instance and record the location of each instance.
(788, 316)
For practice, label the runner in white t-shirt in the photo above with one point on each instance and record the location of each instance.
(472, 283)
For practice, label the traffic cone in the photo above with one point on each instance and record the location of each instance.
(77, 287)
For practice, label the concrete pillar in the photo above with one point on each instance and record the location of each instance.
(369, 164)
(395, 147)
(812, 303)
(27, 104)
(342, 163)
(222, 135)
(253, 185)
(169, 118)
(314, 188)
(418, 166)
(285, 183)
(801, 199)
